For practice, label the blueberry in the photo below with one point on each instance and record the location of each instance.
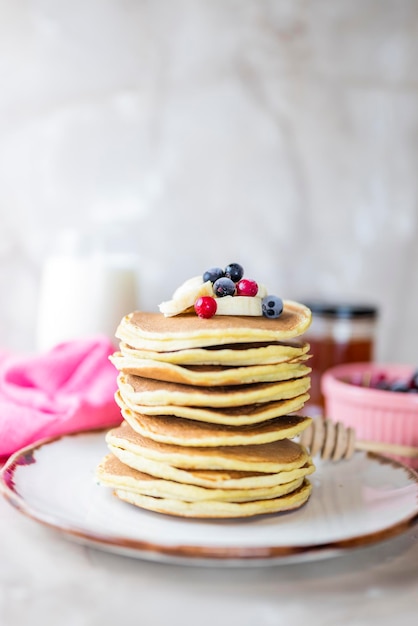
(223, 287)
(234, 271)
(213, 274)
(272, 306)
(399, 385)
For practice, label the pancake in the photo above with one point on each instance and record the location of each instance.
(139, 390)
(208, 375)
(208, 407)
(232, 416)
(113, 473)
(235, 355)
(270, 457)
(153, 331)
(182, 432)
(219, 479)
(218, 510)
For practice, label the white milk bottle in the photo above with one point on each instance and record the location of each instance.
(85, 289)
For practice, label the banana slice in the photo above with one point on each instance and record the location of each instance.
(239, 305)
(262, 291)
(185, 296)
(191, 283)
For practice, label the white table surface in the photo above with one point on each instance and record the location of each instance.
(47, 579)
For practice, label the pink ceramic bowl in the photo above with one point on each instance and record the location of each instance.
(376, 415)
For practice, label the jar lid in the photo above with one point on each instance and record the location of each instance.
(342, 309)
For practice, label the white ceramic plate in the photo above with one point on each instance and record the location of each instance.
(353, 504)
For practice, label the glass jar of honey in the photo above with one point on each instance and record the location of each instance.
(339, 333)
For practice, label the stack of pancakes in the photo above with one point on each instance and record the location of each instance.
(209, 414)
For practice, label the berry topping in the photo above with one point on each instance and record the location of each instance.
(400, 385)
(223, 287)
(247, 287)
(234, 271)
(381, 381)
(221, 291)
(213, 274)
(205, 306)
(272, 306)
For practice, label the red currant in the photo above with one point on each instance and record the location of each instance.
(205, 306)
(247, 287)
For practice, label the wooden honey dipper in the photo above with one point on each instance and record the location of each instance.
(334, 441)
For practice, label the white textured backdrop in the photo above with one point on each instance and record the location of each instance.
(282, 134)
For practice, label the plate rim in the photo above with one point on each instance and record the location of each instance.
(191, 553)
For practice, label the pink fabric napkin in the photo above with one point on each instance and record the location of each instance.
(67, 389)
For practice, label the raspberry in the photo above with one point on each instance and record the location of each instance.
(247, 287)
(205, 306)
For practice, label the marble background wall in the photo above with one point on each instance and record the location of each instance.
(282, 134)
